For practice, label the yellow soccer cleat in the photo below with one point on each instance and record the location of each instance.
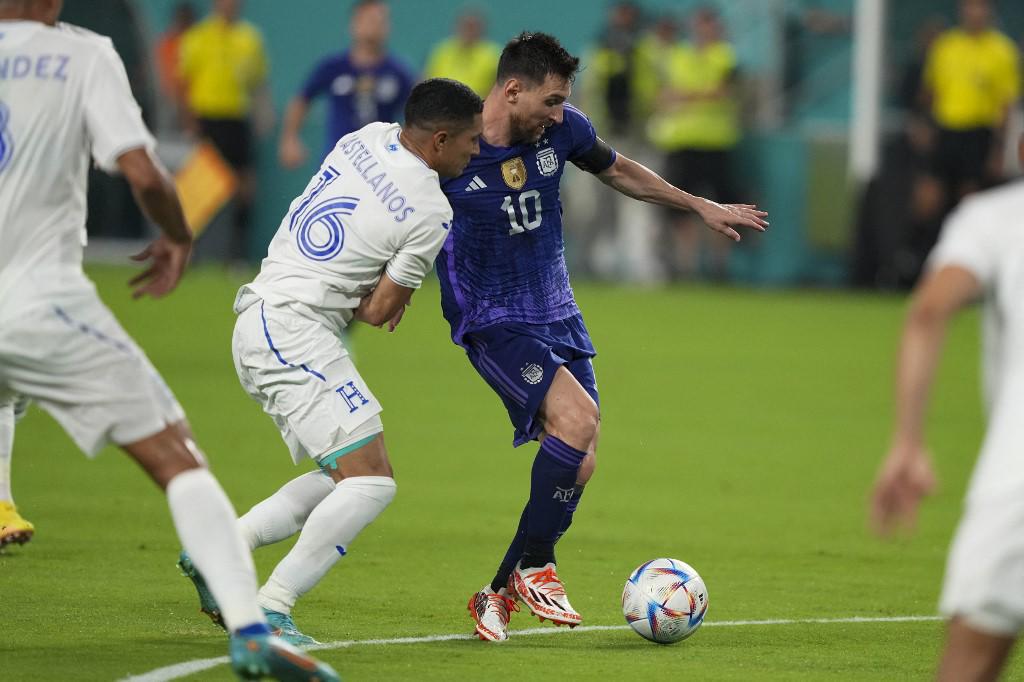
(13, 528)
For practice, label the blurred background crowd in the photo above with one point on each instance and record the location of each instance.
(748, 101)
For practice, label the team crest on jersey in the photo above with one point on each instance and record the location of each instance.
(547, 161)
(513, 172)
(533, 373)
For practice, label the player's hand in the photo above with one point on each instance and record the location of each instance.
(291, 152)
(396, 320)
(169, 259)
(724, 218)
(905, 479)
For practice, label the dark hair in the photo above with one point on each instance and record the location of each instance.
(532, 56)
(442, 103)
(360, 4)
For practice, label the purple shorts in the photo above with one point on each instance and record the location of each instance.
(519, 362)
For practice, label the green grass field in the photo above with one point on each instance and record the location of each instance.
(741, 431)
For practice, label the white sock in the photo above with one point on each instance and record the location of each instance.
(325, 538)
(208, 531)
(6, 447)
(282, 514)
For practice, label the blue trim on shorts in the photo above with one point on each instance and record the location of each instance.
(91, 331)
(331, 460)
(270, 342)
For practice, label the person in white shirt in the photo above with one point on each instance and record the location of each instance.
(353, 246)
(64, 94)
(980, 256)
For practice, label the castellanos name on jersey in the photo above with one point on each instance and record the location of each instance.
(504, 260)
(374, 207)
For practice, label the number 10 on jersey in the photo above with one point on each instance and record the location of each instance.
(528, 204)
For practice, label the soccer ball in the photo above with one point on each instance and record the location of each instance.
(665, 600)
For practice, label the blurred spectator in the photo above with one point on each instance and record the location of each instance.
(167, 59)
(971, 80)
(364, 84)
(617, 89)
(895, 202)
(466, 56)
(697, 125)
(224, 70)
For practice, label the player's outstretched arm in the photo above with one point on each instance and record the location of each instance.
(290, 150)
(156, 196)
(639, 182)
(386, 303)
(906, 475)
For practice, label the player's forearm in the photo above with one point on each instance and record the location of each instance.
(294, 117)
(639, 182)
(920, 348)
(155, 193)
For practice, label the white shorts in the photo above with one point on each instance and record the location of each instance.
(72, 356)
(984, 581)
(302, 375)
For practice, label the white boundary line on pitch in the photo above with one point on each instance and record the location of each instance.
(180, 670)
(187, 668)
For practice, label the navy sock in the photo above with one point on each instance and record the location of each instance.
(552, 488)
(512, 556)
(570, 509)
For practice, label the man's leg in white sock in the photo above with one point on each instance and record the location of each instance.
(282, 514)
(6, 447)
(326, 537)
(205, 521)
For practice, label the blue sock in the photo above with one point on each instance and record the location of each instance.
(512, 556)
(570, 509)
(253, 630)
(552, 488)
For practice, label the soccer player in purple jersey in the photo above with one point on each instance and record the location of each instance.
(505, 291)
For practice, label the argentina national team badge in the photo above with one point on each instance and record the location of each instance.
(547, 161)
(533, 373)
(513, 172)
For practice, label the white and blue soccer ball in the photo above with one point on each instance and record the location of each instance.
(665, 600)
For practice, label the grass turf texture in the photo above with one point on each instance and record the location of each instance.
(741, 431)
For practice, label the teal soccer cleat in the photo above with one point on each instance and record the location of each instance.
(284, 627)
(207, 604)
(254, 657)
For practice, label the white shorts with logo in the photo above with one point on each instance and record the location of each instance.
(302, 375)
(73, 358)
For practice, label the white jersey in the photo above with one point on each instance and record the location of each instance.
(985, 236)
(63, 94)
(373, 208)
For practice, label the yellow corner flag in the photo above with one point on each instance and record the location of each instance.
(205, 184)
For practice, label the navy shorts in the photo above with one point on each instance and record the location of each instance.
(519, 362)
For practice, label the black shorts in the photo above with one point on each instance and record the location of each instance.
(232, 138)
(706, 173)
(961, 156)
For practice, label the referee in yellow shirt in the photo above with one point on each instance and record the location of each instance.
(971, 79)
(223, 66)
(466, 56)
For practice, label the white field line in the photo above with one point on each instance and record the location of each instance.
(180, 670)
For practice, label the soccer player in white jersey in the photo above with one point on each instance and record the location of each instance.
(980, 256)
(353, 246)
(64, 94)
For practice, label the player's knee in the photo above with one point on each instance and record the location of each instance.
(587, 468)
(581, 426)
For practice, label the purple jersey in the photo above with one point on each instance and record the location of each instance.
(504, 260)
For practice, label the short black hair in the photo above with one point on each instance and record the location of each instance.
(442, 103)
(533, 56)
